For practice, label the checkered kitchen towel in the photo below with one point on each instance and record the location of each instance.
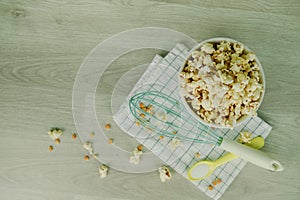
(164, 71)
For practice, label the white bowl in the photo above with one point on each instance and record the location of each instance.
(262, 81)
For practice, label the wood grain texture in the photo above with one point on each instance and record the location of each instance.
(42, 44)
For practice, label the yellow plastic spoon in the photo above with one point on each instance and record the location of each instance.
(204, 169)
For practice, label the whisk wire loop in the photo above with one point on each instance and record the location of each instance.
(167, 107)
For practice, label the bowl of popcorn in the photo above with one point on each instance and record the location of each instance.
(222, 83)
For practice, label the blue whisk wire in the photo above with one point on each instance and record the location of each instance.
(172, 107)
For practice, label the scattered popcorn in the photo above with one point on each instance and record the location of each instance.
(57, 140)
(219, 180)
(74, 136)
(88, 146)
(221, 82)
(146, 112)
(245, 137)
(55, 133)
(103, 170)
(107, 127)
(161, 137)
(210, 187)
(164, 173)
(136, 156)
(86, 157)
(174, 143)
(50, 148)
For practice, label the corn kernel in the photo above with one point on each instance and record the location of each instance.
(50, 148)
(74, 136)
(142, 105)
(140, 147)
(107, 126)
(215, 182)
(57, 140)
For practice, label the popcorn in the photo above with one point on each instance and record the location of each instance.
(174, 143)
(224, 46)
(221, 83)
(207, 60)
(238, 48)
(164, 173)
(206, 104)
(88, 146)
(250, 56)
(103, 170)
(207, 48)
(136, 156)
(245, 137)
(55, 133)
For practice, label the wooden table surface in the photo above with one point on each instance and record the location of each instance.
(43, 43)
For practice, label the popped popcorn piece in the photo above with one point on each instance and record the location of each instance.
(164, 173)
(174, 143)
(136, 156)
(238, 48)
(103, 170)
(245, 137)
(55, 133)
(197, 155)
(207, 48)
(88, 146)
(207, 61)
(222, 82)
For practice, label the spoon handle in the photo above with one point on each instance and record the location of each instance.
(230, 156)
(224, 159)
(254, 156)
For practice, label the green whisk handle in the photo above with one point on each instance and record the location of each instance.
(254, 156)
